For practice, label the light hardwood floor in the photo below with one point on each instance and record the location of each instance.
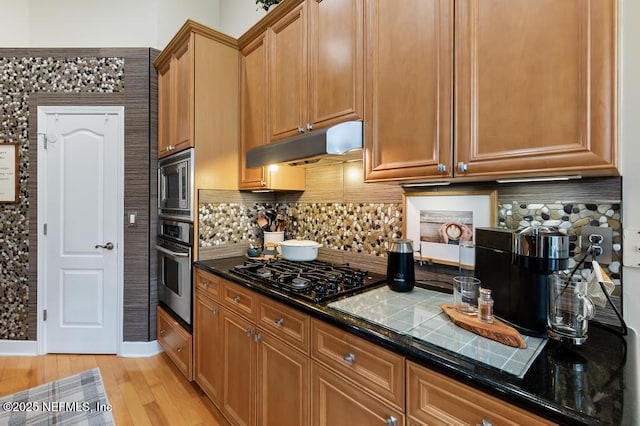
(142, 391)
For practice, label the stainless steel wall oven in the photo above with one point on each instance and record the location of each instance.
(174, 247)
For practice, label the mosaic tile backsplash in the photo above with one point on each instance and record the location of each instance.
(19, 78)
(368, 228)
(357, 227)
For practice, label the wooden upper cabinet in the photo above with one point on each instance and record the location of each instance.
(315, 67)
(288, 74)
(164, 108)
(535, 87)
(408, 87)
(253, 106)
(176, 100)
(183, 76)
(253, 123)
(335, 61)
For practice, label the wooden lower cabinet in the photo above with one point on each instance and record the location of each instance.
(283, 383)
(208, 351)
(274, 365)
(335, 401)
(238, 369)
(176, 342)
(434, 399)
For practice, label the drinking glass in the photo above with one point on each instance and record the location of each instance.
(465, 293)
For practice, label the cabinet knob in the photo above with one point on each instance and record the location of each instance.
(279, 321)
(309, 127)
(163, 331)
(349, 358)
(442, 168)
(391, 421)
(462, 166)
(249, 332)
(236, 299)
(205, 283)
(263, 183)
(214, 311)
(300, 130)
(257, 337)
(485, 422)
(179, 350)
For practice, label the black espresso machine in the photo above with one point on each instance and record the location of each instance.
(516, 265)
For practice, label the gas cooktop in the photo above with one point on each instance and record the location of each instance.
(314, 281)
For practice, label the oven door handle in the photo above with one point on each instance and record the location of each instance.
(171, 253)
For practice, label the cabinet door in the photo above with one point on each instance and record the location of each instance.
(434, 399)
(283, 384)
(336, 402)
(253, 106)
(408, 89)
(335, 73)
(208, 352)
(239, 371)
(165, 116)
(288, 74)
(535, 86)
(176, 342)
(182, 63)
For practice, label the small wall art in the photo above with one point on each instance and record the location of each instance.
(8, 172)
(439, 222)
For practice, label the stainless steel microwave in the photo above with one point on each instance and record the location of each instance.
(175, 186)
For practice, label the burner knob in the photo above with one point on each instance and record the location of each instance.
(320, 289)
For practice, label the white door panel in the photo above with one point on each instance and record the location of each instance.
(81, 203)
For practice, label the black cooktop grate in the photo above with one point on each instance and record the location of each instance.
(314, 281)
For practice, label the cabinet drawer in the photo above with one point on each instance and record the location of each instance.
(435, 399)
(336, 401)
(176, 342)
(206, 282)
(286, 323)
(240, 300)
(368, 365)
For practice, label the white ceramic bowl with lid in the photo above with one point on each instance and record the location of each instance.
(299, 250)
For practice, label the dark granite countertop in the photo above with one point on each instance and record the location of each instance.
(591, 384)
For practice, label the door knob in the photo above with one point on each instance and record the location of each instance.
(108, 246)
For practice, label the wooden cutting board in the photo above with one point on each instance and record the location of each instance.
(497, 330)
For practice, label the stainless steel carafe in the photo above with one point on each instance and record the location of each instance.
(400, 266)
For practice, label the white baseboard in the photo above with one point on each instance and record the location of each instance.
(140, 349)
(127, 349)
(18, 347)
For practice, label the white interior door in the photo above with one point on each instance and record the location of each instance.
(80, 206)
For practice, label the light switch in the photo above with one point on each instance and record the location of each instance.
(631, 248)
(133, 217)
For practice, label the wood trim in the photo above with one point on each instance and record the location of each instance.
(185, 31)
(272, 17)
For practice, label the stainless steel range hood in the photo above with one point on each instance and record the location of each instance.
(339, 143)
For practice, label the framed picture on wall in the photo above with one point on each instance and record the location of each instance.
(8, 172)
(439, 222)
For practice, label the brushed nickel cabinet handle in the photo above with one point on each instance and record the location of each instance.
(349, 358)
(236, 299)
(391, 421)
(279, 321)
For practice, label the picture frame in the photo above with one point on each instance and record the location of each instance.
(9, 185)
(440, 222)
